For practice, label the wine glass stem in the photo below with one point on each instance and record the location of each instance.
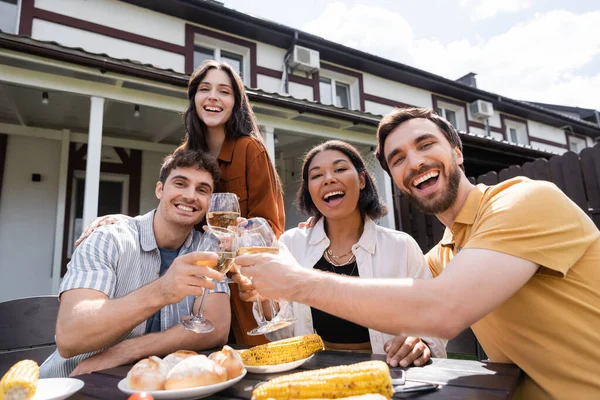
(261, 314)
(274, 311)
(200, 309)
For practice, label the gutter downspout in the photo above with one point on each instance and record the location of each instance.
(285, 76)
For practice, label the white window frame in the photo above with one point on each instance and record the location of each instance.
(218, 45)
(521, 129)
(104, 177)
(352, 82)
(578, 141)
(460, 112)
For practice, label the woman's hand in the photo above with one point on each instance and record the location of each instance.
(309, 223)
(100, 221)
(247, 291)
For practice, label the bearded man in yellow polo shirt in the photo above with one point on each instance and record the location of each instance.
(519, 263)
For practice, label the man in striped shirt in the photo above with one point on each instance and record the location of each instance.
(128, 284)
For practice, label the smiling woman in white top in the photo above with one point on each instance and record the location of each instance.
(338, 191)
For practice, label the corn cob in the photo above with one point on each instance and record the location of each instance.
(283, 351)
(20, 382)
(329, 383)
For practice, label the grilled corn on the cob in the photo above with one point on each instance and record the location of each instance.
(330, 383)
(283, 351)
(20, 382)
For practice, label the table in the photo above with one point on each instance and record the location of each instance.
(461, 379)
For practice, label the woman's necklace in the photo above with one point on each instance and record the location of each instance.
(331, 258)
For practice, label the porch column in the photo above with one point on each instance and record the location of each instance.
(60, 209)
(92, 173)
(269, 135)
(386, 193)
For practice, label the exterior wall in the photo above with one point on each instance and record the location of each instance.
(396, 91)
(28, 217)
(96, 43)
(269, 56)
(377, 108)
(122, 16)
(300, 91)
(151, 162)
(537, 130)
(269, 84)
(547, 147)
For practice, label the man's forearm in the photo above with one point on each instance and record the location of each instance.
(401, 307)
(162, 343)
(95, 324)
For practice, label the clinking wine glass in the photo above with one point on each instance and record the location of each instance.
(256, 236)
(223, 212)
(223, 242)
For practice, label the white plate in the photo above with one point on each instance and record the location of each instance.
(271, 369)
(183, 394)
(57, 388)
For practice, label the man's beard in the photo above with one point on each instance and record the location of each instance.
(447, 198)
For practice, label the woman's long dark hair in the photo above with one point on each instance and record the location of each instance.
(369, 202)
(241, 123)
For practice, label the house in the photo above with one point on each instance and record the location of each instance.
(91, 95)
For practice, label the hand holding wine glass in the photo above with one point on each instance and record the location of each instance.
(256, 236)
(223, 242)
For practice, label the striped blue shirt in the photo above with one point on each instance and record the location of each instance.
(116, 260)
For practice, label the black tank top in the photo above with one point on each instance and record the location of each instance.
(331, 328)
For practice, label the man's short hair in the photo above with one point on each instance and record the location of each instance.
(392, 120)
(200, 160)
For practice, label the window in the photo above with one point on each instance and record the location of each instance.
(454, 113)
(8, 16)
(449, 115)
(113, 196)
(330, 89)
(236, 61)
(516, 132)
(512, 135)
(233, 53)
(576, 144)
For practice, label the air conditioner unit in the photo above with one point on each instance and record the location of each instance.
(304, 59)
(481, 109)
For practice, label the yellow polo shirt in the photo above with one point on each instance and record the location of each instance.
(550, 328)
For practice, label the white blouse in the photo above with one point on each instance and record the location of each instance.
(380, 253)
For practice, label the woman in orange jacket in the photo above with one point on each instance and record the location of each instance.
(219, 120)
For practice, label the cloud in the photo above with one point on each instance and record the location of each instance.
(483, 9)
(543, 59)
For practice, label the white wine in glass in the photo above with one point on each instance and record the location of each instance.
(224, 243)
(255, 237)
(224, 210)
(222, 219)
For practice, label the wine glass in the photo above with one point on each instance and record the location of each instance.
(223, 242)
(223, 212)
(256, 236)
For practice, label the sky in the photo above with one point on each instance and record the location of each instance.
(538, 50)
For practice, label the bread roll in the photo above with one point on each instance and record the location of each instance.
(174, 358)
(148, 374)
(230, 359)
(195, 371)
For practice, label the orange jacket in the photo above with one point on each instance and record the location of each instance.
(245, 171)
